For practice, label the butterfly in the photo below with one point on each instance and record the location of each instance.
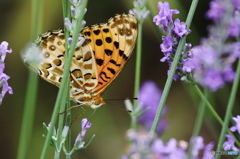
(95, 64)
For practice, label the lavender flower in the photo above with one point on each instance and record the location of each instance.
(145, 145)
(210, 63)
(230, 143)
(70, 23)
(79, 143)
(174, 30)
(237, 126)
(149, 97)
(3, 77)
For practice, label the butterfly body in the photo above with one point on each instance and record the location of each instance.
(95, 64)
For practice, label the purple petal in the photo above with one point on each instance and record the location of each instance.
(166, 46)
(180, 28)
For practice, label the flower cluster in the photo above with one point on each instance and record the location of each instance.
(211, 62)
(79, 142)
(145, 145)
(149, 97)
(140, 10)
(230, 143)
(3, 77)
(174, 30)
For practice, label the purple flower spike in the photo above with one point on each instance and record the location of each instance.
(3, 77)
(237, 126)
(216, 11)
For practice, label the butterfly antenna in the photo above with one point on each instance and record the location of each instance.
(120, 99)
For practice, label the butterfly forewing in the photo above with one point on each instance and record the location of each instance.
(95, 64)
(113, 43)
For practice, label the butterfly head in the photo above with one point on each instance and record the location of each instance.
(97, 102)
(94, 102)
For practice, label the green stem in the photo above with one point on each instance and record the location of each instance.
(64, 85)
(137, 72)
(173, 69)
(32, 87)
(229, 108)
(212, 110)
(66, 13)
(198, 122)
(28, 115)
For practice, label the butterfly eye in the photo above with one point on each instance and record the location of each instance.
(97, 101)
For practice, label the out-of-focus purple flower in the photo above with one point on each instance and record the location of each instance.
(210, 63)
(229, 144)
(212, 79)
(234, 25)
(146, 145)
(140, 10)
(237, 126)
(198, 144)
(149, 97)
(207, 150)
(216, 10)
(3, 77)
(236, 4)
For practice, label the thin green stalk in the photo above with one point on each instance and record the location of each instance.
(32, 87)
(60, 100)
(229, 109)
(28, 115)
(137, 72)
(198, 122)
(173, 69)
(212, 110)
(65, 5)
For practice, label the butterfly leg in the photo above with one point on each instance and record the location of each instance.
(84, 111)
(76, 106)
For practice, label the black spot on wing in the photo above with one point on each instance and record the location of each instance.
(116, 44)
(96, 32)
(111, 70)
(98, 42)
(108, 39)
(108, 52)
(120, 52)
(115, 63)
(106, 30)
(99, 62)
(105, 75)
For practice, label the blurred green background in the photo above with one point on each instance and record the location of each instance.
(109, 122)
